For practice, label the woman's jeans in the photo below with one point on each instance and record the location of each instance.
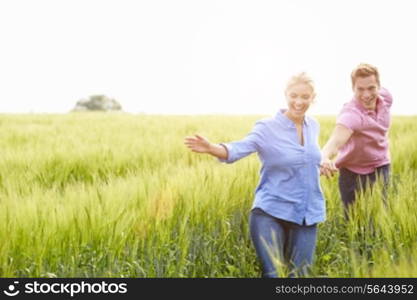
(289, 242)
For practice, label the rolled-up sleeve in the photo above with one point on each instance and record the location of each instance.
(386, 96)
(240, 149)
(350, 119)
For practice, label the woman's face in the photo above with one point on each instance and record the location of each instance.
(299, 98)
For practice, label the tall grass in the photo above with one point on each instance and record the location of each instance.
(118, 195)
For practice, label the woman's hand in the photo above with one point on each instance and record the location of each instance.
(327, 168)
(198, 144)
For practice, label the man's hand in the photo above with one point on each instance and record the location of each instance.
(339, 137)
(327, 168)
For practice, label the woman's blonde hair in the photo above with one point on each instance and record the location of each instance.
(301, 78)
(364, 70)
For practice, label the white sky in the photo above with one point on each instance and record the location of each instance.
(166, 56)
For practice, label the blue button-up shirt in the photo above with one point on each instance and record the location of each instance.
(289, 186)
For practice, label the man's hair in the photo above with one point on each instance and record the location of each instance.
(364, 70)
(300, 78)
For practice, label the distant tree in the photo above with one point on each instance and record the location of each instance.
(97, 103)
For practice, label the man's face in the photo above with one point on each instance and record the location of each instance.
(366, 91)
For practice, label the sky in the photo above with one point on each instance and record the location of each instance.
(200, 57)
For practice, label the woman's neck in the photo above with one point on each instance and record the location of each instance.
(297, 121)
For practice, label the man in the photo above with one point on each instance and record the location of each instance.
(360, 136)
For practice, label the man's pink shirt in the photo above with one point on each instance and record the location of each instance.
(367, 148)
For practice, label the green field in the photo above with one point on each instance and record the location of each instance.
(119, 195)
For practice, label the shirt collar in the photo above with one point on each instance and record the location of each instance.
(287, 122)
(365, 111)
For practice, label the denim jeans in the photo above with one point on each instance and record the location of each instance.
(274, 238)
(351, 183)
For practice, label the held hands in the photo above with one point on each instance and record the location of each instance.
(197, 143)
(327, 168)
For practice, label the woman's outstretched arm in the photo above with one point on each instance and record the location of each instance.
(200, 144)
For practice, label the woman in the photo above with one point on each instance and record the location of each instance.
(288, 200)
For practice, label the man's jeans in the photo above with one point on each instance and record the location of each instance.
(351, 183)
(274, 238)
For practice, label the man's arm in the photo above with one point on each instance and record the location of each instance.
(339, 137)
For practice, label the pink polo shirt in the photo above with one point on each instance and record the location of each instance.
(367, 148)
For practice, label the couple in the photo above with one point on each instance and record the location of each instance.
(288, 201)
